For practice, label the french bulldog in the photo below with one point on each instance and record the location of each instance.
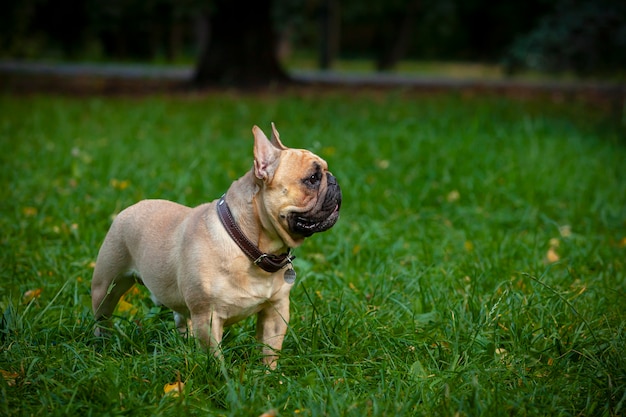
(220, 262)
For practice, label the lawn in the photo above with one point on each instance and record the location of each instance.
(478, 267)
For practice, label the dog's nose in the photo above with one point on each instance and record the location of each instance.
(334, 190)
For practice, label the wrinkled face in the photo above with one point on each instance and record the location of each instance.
(306, 194)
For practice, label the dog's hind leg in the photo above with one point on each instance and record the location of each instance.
(112, 278)
(183, 324)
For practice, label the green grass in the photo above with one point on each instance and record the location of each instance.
(433, 295)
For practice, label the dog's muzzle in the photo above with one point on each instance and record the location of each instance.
(321, 217)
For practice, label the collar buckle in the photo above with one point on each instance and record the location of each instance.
(260, 258)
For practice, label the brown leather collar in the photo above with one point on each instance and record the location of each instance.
(266, 261)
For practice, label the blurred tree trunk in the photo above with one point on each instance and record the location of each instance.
(238, 46)
(391, 54)
(175, 41)
(329, 17)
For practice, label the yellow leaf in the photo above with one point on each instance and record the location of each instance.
(29, 211)
(383, 164)
(9, 377)
(552, 256)
(31, 295)
(119, 184)
(329, 151)
(124, 306)
(174, 388)
(453, 196)
(566, 231)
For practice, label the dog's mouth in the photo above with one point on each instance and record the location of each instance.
(320, 219)
(306, 226)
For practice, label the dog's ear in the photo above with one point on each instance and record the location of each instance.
(276, 138)
(266, 155)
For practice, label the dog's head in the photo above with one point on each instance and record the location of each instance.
(299, 195)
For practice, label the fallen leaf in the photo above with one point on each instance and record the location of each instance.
(174, 388)
(269, 413)
(501, 351)
(552, 256)
(31, 295)
(119, 184)
(453, 196)
(29, 211)
(566, 231)
(9, 377)
(383, 164)
(329, 151)
(124, 306)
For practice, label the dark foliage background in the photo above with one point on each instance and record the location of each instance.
(580, 35)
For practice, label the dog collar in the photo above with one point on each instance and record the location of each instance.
(266, 261)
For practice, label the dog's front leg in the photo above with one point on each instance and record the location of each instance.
(209, 329)
(271, 327)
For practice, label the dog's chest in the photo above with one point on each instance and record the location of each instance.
(249, 299)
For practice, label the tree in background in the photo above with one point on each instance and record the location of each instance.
(329, 17)
(581, 35)
(239, 45)
(236, 42)
(28, 26)
(395, 33)
(460, 30)
(141, 29)
(97, 30)
(233, 41)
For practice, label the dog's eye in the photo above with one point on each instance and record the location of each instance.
(313, 180)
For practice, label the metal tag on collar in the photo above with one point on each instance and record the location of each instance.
(290, 275)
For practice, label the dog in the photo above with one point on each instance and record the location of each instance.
(220, 262)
